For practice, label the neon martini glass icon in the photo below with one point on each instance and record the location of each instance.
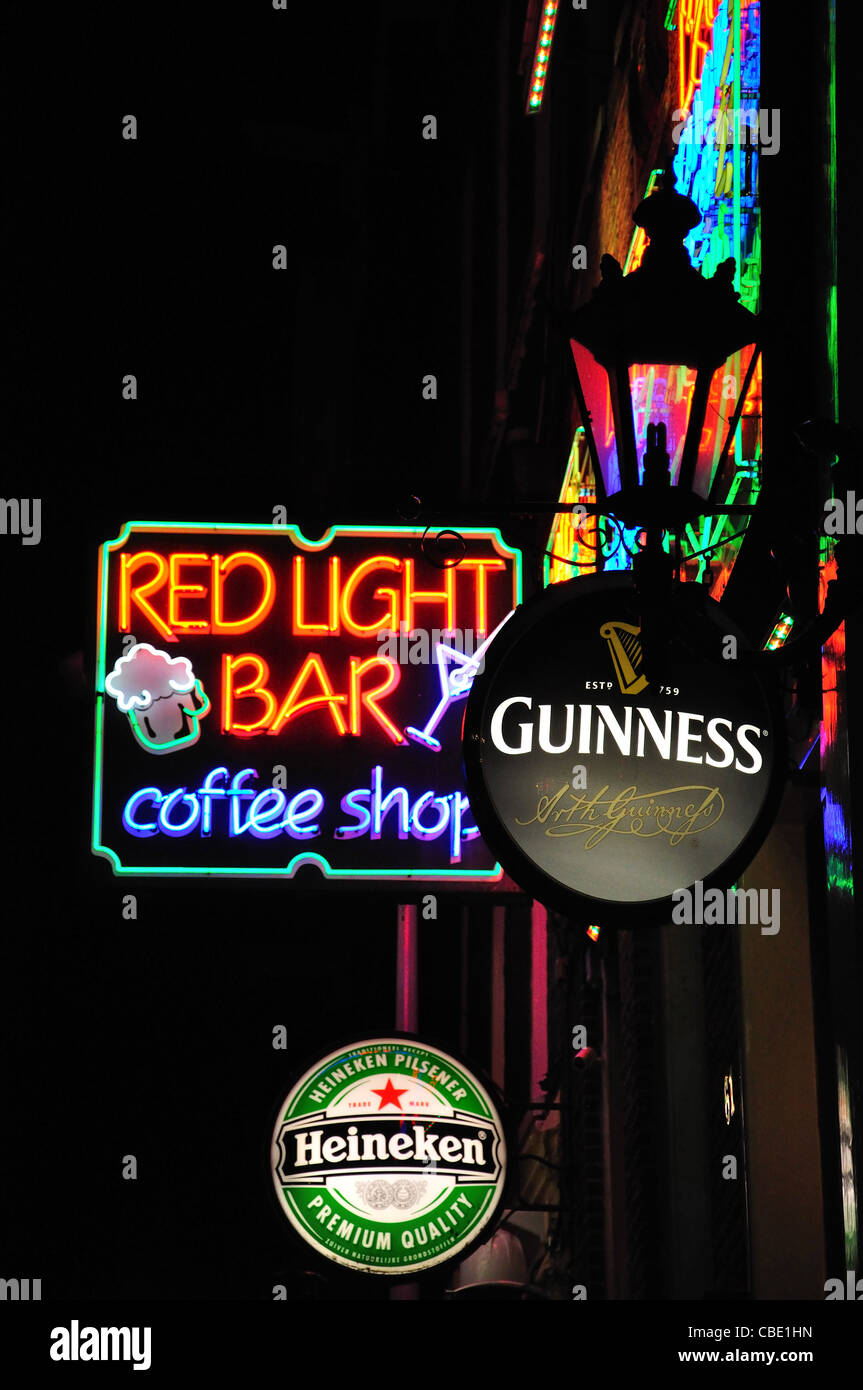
(456, 673)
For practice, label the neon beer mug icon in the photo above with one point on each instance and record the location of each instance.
(161, 695)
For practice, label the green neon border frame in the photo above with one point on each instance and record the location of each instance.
(302, 542)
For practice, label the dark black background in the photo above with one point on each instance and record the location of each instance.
(256, 388)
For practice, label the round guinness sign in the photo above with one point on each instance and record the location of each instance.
(606, 783)
(389, 1156)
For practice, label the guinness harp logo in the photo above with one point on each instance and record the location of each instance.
(625, 647)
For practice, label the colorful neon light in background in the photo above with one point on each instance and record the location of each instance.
(719, 60)
(834, 744)
(639, 237)
(695, 23)
(720, 174)
(542, 56)
(780, 634)
(577, 537)
(720, 171)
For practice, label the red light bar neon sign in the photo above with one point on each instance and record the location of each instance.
(274, 685)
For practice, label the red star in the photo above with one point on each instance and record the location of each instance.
(389, 1095)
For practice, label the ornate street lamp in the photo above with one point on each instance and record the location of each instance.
(663, 362)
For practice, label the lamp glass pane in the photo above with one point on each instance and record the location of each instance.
(725, 389)
(662, 394)
(593, 379)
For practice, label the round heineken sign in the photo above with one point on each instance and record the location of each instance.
(608, 777)
(389, 1156)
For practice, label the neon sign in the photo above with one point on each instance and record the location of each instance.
(695, 19)
(542, 56)
(389, 1157)
(269, 674)
(456, 672)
